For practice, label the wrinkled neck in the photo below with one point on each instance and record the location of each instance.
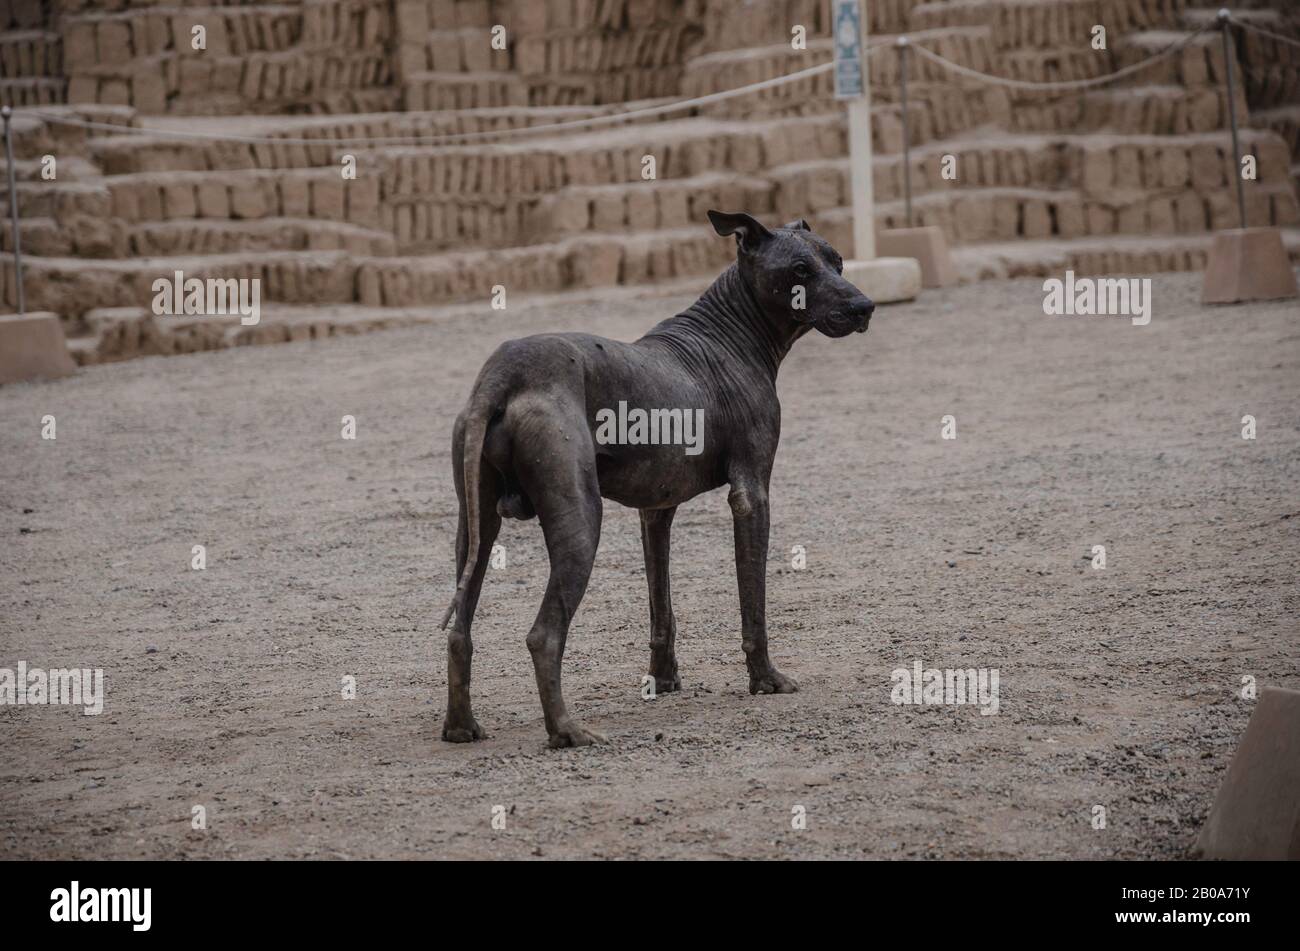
(727, 324)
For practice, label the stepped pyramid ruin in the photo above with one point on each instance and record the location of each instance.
(1130, 177)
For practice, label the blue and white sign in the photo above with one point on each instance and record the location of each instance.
(846, 30)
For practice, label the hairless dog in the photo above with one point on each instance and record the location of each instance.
(538, 437)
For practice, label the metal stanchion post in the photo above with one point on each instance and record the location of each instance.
(6, 113)
(907, 141)
(1224, 18)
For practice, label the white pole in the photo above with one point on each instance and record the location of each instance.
(864, 228)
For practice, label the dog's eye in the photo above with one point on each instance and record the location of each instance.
(801, 270)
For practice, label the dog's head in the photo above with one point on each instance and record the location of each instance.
(796, 275)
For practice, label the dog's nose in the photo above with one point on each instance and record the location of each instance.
(862, 308)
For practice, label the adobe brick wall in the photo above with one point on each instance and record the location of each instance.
(1077, 177)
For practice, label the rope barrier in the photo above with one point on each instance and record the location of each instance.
(1263, 32)
(459, 138)
(450, 138)
(1059, 85)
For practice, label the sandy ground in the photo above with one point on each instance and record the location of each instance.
(1118, 687)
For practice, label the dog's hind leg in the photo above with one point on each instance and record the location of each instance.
(460, 725)
(557, 467)
(656, 525)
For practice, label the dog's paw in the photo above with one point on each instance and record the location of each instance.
(461, 732)
(667, 683)
(772, 681)
(573, 734)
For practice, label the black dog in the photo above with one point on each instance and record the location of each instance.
(542, 416)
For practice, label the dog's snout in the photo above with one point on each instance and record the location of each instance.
(862, 308)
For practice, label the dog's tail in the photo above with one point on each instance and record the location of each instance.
(476, 423)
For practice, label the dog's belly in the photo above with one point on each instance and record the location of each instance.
(648, 477)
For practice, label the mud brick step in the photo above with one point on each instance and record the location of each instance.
(541, 165)
(33, 137)
(530, 17)
(26, 15)
(1063, 22)
(605, 51)
(533, 18)
(204, 236)
(590, 260)
(112, 334)
(815, 186)
(58, 200)
(464, 50)
(99, 38)
(567, 89)
(727, 69)
(1150, 110)
(1003, 162)
(407, 282)
(68, 169)
(1270, 68)
(82, 236)
(790, 139)
(72, 286)
(28, 54)
(32, 92)
(938, 107)
(1097, 166)
(40, 236)
(443, 90)
(1283, 121)
(109, 335)
(1047, 23)
(252, 194)
(261, 57)
(1007, 162)
(1196, 65)
(1202, 161)
(1091, 256)
(450, 14)
(645, 206)
(998, 214)
(122, 154)
(421, 225)
(729, 25)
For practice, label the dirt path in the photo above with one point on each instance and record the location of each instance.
(1118, 687)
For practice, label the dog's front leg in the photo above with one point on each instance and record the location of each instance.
(750, 512)
(655, 527)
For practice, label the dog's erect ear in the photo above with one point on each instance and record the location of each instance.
(798, 224)
(749, 231)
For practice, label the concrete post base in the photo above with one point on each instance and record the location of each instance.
(32, 348)
(1248, 264)
(1256, 814)
(885, 280)
(928, 245)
